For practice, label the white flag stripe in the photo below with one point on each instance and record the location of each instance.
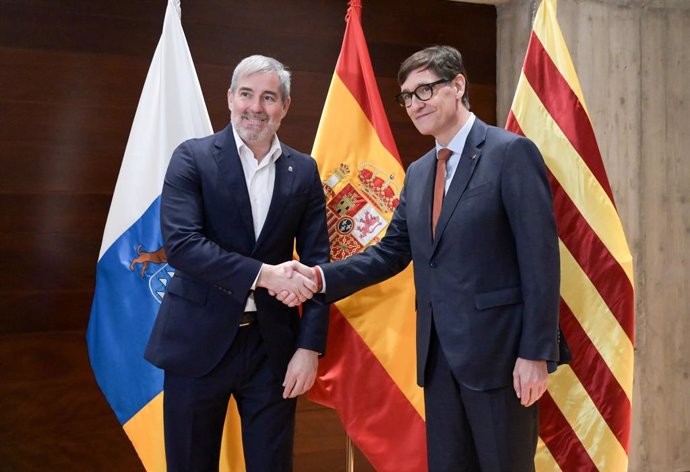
(167, 112)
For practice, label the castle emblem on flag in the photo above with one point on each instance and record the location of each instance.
(358, 207)
(158, 281)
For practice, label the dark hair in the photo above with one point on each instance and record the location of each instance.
(444, 61)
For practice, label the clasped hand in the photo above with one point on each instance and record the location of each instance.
(290, 282)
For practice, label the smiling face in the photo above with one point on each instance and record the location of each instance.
(257, 108)
(443, 114)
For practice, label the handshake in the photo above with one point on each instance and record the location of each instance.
(290, 282)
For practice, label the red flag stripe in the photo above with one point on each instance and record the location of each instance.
(594, 258)
(559, 437)
(565, 109)
(513, 125)
(355, 70)
(591, 254)
(596, 378)
(367, 405)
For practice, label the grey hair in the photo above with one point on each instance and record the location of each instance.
(256, 64)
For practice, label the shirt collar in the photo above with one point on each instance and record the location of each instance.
(457, 144)
(243, 150)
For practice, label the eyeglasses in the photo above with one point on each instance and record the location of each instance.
(424, 92)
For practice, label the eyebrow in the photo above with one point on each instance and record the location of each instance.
(415, 87)
(265, 92)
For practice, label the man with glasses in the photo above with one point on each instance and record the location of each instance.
(476, 217)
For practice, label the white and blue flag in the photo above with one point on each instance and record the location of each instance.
(132, 272)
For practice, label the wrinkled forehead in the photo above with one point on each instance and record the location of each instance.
(259, 82)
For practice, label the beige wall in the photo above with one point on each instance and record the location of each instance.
(633, 61)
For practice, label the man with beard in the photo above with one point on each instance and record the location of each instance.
(234, 206)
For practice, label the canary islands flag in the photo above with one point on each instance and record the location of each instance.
(132, 272)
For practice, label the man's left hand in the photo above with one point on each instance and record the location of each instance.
(301, 373)
(530, 379)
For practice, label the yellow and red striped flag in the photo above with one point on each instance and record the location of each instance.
(585, 415)
(368, 374)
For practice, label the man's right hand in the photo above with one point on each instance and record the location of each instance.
(290, 285)
(299, 269)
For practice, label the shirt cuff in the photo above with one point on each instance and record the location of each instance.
(253, 287)
(323, 279)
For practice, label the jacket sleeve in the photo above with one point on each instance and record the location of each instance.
(376, 263)
(186, 244)
(313, 248)
(529, 204)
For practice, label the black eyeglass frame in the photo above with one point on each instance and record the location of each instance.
(401, 98)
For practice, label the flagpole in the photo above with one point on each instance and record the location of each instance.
(349, 455)
(356, 6)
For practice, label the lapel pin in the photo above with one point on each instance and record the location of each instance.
(474, 156)
(289, 168)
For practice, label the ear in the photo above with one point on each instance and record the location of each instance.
(459, 83)
(286, 106)
(230, 95)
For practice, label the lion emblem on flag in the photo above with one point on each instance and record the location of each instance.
(358, 207)
(158, 281)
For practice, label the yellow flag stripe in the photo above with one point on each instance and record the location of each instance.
(388, 327)
(572, 173)
(600, 325)
(345, 135)
(591, 429)
(543, 460)
(145, 431)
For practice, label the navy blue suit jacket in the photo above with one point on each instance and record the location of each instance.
(208, 235)
(491, 276)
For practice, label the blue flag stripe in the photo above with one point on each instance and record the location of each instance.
(124, 309)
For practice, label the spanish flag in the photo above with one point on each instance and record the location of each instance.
(585, 414)
(368, 373)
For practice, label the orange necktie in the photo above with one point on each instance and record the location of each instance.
(439, 186)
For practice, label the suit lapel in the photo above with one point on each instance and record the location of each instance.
(469, 159)
(282, 188)
(232, 182)
(428, 162)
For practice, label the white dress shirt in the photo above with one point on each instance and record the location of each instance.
(457, 144)
(260, 178)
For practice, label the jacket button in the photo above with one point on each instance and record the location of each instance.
(433, 264)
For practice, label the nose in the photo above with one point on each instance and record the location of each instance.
(256, 105)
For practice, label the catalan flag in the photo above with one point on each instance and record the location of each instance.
(585, 414)
(368, 374)
(132, 271)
